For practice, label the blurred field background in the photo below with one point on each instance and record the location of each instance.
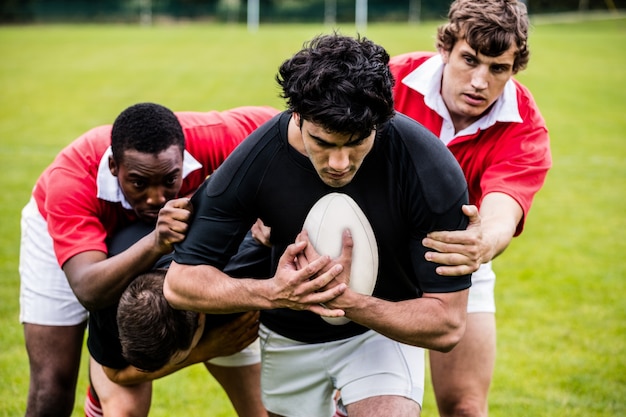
(561, 310)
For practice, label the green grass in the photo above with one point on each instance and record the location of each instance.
(561, 314)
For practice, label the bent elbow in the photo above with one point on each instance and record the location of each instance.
(169, 292)
(89, 304)
(451, 338)
(89, 300)
(175, 288)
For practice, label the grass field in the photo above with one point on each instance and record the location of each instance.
(561, 310)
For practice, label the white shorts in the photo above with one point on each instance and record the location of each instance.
(481, 294)
(299, 379)
(46, 297)
(250, 355)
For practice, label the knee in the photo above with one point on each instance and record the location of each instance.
(462, 407)
(52, 392)
(50, 400)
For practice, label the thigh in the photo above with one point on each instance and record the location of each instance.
(54, 354)
(294, 377)
(118, 400)
(466, 371)
(242, 384)
(388, 405)
(46, 297)
(374, 366)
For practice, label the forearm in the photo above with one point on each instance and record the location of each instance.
(98, 280)
(132, 376)
(206, 289)
(500, 214)
(435, 321)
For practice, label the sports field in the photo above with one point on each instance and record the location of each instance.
(561, 287)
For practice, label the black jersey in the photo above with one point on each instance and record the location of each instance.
(408, 185)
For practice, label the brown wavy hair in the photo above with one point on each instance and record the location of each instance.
(489, 27)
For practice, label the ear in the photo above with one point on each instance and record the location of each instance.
(445, 55)
(296, 118)
(113, 166)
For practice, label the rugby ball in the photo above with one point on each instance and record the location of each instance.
(325, 223)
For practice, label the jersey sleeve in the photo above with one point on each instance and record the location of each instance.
(222, 209)
(522, 159)
(438, 192)
(66, 196)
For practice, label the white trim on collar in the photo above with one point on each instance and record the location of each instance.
(426, 80)
(109, 187)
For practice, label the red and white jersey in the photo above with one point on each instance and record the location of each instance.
(81, 200)
(507, 150)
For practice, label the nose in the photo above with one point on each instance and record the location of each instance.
(339, 160)
(156, 196)
(480, 78)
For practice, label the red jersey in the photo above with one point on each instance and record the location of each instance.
(506, 151)
(82, 201)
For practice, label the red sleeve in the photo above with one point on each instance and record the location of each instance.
(523, 161)
(511, 158)
(66, 197)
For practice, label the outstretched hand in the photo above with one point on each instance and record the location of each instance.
(460, 251)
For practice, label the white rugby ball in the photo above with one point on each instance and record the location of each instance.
(325, 223)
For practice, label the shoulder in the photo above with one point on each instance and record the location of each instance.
(84, 153)
(98, 139)
(437, 172)
(259, 114)
(251, 155)
(238, 121)
(528, 108)
(403, 64)
(421, 145)
(245, 114)
(413, 134)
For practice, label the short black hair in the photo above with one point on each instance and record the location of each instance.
(339, 82)
(147, 128)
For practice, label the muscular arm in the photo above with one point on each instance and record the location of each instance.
(98, 280)
(206, 289)
(435, 321)
(489, 233)
(224, 340)
(132, 376)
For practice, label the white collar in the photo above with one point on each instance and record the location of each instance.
(109, 187)
(426, 80)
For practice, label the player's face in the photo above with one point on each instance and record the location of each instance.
(336, 157)
(148, 181)
(472, 82)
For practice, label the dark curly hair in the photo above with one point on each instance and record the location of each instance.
(488, 26)
(147, 128)
(340, 83)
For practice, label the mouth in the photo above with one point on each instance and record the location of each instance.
(151, 215)
(474, 99)
(338, 176)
